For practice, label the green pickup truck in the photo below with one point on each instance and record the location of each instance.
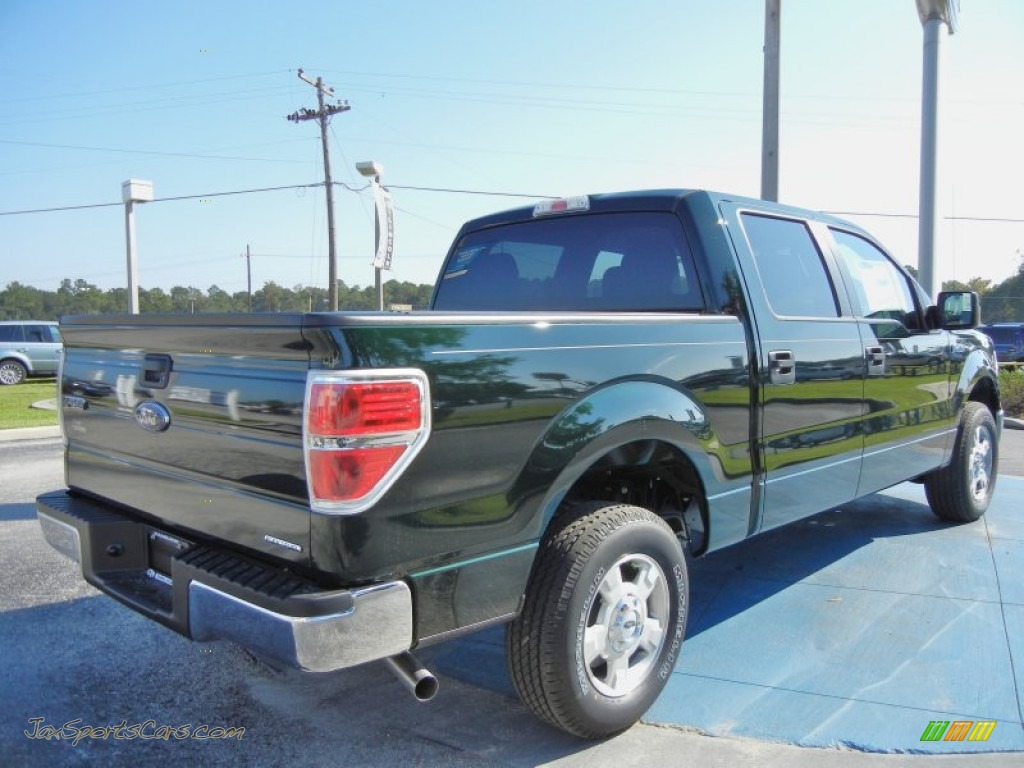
(603, 388)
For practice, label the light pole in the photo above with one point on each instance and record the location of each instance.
(133, 191)
(381, 204)
(934, 14)
(770, 101)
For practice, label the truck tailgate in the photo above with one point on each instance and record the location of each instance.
(194, 421)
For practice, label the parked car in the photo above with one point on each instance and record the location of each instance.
(28, 348)
(1009, 340)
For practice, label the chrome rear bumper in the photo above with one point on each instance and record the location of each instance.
(209, 594)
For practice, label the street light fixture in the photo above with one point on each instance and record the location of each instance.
(133, 191)
(381, 261)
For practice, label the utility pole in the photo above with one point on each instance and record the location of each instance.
(770, 117)
(248, 274)
(321, 115)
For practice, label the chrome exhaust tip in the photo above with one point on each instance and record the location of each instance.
(414, 676)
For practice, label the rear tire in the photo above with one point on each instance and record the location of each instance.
(603, 621)
(12, 372)
(961, 491)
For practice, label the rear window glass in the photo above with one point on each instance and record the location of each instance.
(11, 333)
(595, 262)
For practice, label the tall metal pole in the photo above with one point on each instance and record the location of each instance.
(927, 228)
(248, 274)
(770, 117)
(377, 279)
(133, 191)
(373, 171)
(133, 263)
(934, 15)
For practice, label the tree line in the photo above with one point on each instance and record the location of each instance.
(25, 302)
(1002, 302)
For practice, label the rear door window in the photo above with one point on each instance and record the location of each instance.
(593, 262)
(39, 333)
(794, 276)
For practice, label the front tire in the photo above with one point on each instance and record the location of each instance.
(961, 491)
(603, 621)
(12, 372)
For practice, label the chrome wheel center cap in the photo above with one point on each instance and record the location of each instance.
(627, 624)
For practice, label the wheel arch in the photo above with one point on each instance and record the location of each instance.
(22, 361)
(978, 382)
(648, 437)
(18, 358)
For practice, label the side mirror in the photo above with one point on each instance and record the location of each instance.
(959, 310)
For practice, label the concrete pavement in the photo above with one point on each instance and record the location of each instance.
(28, 433)
(856, 628)
(853, 630)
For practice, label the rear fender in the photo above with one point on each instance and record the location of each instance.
(615, 415)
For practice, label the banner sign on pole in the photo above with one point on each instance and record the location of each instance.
(385, 211)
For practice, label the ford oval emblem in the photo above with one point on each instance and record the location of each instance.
(152, 416)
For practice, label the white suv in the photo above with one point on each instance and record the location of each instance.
(28, 348)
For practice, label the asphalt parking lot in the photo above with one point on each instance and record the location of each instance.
(849, 631)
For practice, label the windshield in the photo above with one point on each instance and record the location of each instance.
(593, 262)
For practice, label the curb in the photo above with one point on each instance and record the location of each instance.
(29, 433)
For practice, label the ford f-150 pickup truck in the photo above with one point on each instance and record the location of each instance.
(603, 388)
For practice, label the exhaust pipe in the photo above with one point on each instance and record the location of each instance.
(413, 675)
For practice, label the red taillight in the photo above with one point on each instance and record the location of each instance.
(344, 475)
(361, 431)
(360, 408)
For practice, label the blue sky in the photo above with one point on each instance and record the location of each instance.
(532, 97)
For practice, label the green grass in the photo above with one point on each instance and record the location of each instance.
(1011, 385)
(16, 401)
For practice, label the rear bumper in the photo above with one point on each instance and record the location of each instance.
(206, 593)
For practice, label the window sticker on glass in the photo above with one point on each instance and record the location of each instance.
(460, 264)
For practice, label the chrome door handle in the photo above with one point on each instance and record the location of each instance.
(782, 366)
(876, 360)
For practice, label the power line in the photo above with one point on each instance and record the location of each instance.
(634, 88)
(471, 192)
(146, 151)
(998, 219)
(147, 87)
(238, 192)
(177, 102)
(61, 208)
(452, 190)
(166, 199)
